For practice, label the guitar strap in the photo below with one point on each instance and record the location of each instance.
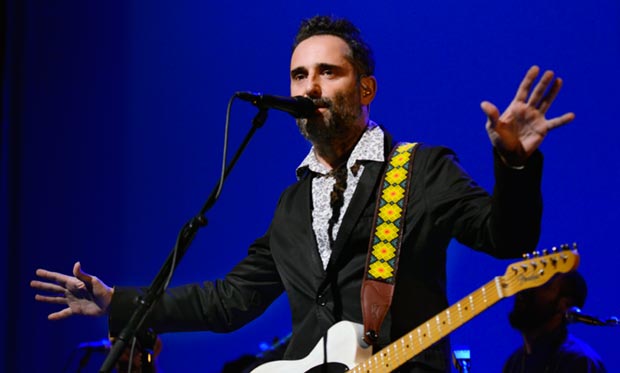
(385, 240)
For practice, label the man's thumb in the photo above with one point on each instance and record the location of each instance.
(77, 272)
(491, 111)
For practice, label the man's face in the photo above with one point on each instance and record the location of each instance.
(320, 70)
(533, 308)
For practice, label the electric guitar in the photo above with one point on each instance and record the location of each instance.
(348, 352)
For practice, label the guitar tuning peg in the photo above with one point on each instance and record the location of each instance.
(545, 252)
(575, 246)
(536, 253)
(514, 269)
(564, 246)
(554, 249)
(526, 256)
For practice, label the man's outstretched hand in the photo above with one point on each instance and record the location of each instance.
(82, 294)
(521, 128)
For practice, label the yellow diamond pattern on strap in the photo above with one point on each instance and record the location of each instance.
(403, 155)
(390, 212)
(381, 270)
(393, 193)
(395, 176)
(384, 251)
(387, 234)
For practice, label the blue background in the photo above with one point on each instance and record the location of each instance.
(112, 129)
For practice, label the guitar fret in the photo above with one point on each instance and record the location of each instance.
(396, 357)
(471, 302)
(484, 294)
(428, 329)
(498, 287)
(362, 367)
(383, 355)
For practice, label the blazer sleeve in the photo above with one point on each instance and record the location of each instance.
(504, 224)
(220, 306)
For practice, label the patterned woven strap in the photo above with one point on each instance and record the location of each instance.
(386, 237)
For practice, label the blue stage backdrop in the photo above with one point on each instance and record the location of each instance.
(112, 132)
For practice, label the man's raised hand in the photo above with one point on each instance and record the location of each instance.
(521, 128)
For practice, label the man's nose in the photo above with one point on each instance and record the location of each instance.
(312, 88)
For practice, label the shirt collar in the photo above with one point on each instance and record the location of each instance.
(368, 148)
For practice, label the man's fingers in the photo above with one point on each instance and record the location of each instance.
(60, 314)
(560, 121)
(46, 286)
(546, 102)
(48, 299)
(526, 84)
(56, 277)
(540, 89)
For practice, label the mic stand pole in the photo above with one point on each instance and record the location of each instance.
(186, 236)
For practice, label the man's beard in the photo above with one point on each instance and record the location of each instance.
(526, 315)
(340, 118)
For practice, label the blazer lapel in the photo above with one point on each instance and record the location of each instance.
(304, 209)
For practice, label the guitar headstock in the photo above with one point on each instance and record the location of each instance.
(539, 267)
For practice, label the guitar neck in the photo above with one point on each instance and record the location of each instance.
(419, 339)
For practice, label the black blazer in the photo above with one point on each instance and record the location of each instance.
(444, 203)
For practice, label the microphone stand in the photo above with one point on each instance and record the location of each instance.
(186, 236)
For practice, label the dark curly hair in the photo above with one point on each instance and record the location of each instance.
(361, 55)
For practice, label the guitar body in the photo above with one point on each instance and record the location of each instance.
(344, 351)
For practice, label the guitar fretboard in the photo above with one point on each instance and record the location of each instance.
(411, 344)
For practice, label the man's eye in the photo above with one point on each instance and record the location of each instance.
(299, 76)
(328, 72)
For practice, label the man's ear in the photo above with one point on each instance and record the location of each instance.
(368, 89)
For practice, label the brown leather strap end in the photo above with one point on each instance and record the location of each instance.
(376, 300)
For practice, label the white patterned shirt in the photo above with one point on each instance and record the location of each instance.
(368, 148)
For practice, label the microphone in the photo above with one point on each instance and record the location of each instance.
(103, 345)
(298, 106)
(574, 315)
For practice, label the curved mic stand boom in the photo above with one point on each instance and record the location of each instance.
(184, 239)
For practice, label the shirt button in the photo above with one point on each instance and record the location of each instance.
(320, 300)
